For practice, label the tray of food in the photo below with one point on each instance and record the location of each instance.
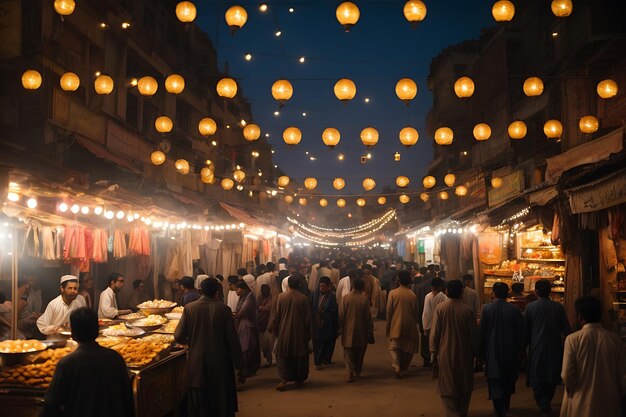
(35, 375)
(173, 316)
(178, 309)
(110, 341)
(138, 353)
(122, 330)
(152, 322)
(168, 328)
(156, 307)
(19, 351)
(132, 316)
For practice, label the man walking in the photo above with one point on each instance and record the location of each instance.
(421, 290)
(470, 296)
(401, 327)
(266, 338)
(325, 322)
(356, 328)
(435, 297)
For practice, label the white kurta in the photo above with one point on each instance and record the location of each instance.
(232, 299)
(343, 288)
(594, 373)
(57, 314)
(268, 278)
(107, 309)
(470, 299)
(430, 303)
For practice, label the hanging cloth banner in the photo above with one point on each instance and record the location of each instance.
(603, 193)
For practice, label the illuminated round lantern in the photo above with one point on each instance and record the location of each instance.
(69, 82)
(449, 180)
(227, 184)
(464, 87)
(404, 198)
(103, 84)
(31, 79)
(323, 202)
(206, 172)
(182, 166)
(207, 127)
(345, 89)
(369, 136)
(562, 8)
(503, 11)
(402, 181)
(186, 11)
(283, 181)
(310, 183)
(553, 129)
(382, 200)
(588, 124)
(331, 137)
(157, 157)
(282, 90)
(414, 12)
(360, 202)
(251, 132)
(207, 179)
(517, 130)
(64, 7)
(147, 86)
(341, 202)
(482, 131)
(239, 175)
(443, 195)
(226, 87)
(369, 184)
(533, 86)
(607, 88)
(236, 17)
(292, 136)
(406, 90)
(461, 190)
(429, 181)
(303, 201)
(409, 136)
(163, 124)
(288, 199)
(424, 197)
(444, 136)
(174, 84)
(496, 182)
(339, 183)
(348, 14)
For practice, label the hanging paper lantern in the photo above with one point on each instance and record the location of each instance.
(239, 175)
(283, 181)
(444, 136)
(588, 124)
(464, 87)
(208, 179)
(339, 183)
(341, 202)
(424, 197)
(163, 124)
(369, 136)
(533, 87)
(345, 89)
(227, 184)
(323, 202)
(406, 90)
(347, 14)
(404, 198)
(562, 8)
(482, 131)
(503, 11)
(206, 172)
(402, 181)
(461, 190)
(186, 11)
(174, 84)
(103, 84)
(226, 87)
(331, 137)
(517, 130)
(310, 183)
(288, 199)
(282, 90)
(147, 86)
(369, 184)
(236, 17)
(64, 7)
(303, 201)
(414, 12)
(382, 200)
(553, 129)
(496, 182)
(31, 79)
(207, 127)
(443, 195)
(429, 181)
(182, 166)
(360, 202)
(251, 132)
(449, 180)
(292, 136)
(607, 88)
(409, 136)
(157, 157)
(69, 82)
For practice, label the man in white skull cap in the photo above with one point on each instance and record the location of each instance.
(57, 314)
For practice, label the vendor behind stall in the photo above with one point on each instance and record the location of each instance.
(108, 304)
(57, 313)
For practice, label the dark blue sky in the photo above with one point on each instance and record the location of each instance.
(375, 54)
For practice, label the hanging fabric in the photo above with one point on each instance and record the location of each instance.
(119, 244)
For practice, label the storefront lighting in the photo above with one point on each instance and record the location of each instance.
(98, 210)
(84, 210)
(11, 196)
(119, 214)
(31, 203)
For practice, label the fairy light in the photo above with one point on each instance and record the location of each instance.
(84, 210)
(75, 208)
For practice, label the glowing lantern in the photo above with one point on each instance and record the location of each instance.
(347, 14)
(345, 89)
(157, 157)
(588, 124)
(283, 181)
(607, 88)
(404, 198)
(323, 202)
(331, 137)
(303, 201)
(517, 130)
(282, 90)
(206, 172)
(236, 17)
(186, 11)
(496, 182)
(444, 136)
(461, 190)
(174, 84)
(562, 8)
(64, 7)
(429, 181)
(369, 184)
(147, 86)
(424, 197)
(443, 195)
(341, 202)
(207, 126)
(207, 179)
(251, 132)
(464, 87)
(182, 166)
(360, 202)
(292, 136)
(226, 87)
(288, 199)
(482, 131)
(227, 184)
(369, 136)
(553, 129)
(103, 84)
(414, 12)
(449, 180)
(310, 183)
(31, 79)
(503, 11)
(402, 181)
(339, 183)
(69, 82)
(409, 136)
(239, 175)
(533, 87)
(382, 200)
(406, 90)
(163, 124)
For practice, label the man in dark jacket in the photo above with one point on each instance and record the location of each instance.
(324, 311)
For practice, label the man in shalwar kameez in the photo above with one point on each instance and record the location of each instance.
(325, 322)
(402, 324)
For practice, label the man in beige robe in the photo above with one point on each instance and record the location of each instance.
(356, 328)
(453, 346)
(594, 366)
(402, 319)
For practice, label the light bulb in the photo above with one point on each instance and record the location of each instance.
(31, 203)
(120, 214)
(98, 210)
(75, 208)
(84, 210)
(13, 196)
(63, 207)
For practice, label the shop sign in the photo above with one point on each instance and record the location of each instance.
(594, 197)
(512, 185)
(489, 248)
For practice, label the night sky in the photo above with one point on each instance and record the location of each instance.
(379, 50)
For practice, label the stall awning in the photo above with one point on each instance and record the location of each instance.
(543, 196)
(600, 194)
(103, 152)
(243, 216)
